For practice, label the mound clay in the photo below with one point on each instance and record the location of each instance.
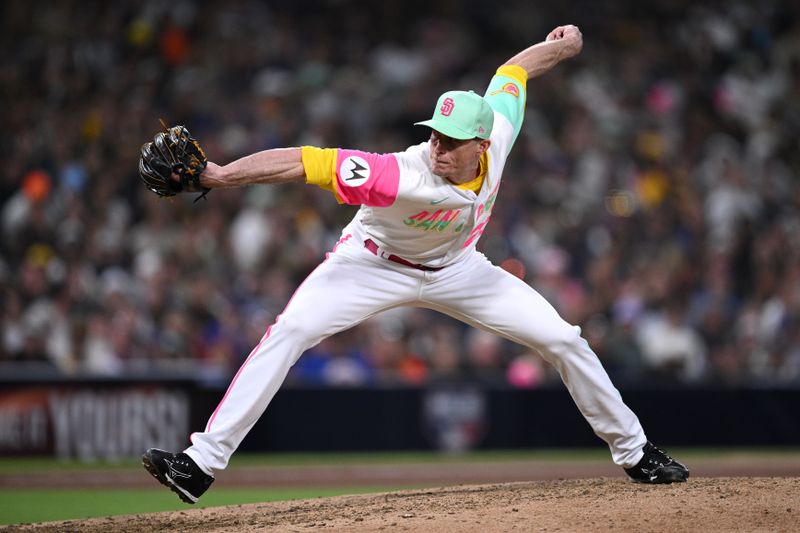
(598, 504)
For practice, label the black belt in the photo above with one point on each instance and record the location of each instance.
(370, 245)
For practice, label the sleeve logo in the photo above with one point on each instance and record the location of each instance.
(354, 171)
(510, 88)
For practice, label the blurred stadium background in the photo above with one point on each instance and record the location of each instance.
(653, 197)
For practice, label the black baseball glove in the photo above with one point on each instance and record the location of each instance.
(172, 162)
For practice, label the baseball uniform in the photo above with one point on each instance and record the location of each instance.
(412, 243)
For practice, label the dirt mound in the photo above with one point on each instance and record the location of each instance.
(600, 504)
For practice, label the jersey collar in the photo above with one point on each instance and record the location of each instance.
(476, 184)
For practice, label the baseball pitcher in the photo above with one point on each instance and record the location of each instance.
(412, 243)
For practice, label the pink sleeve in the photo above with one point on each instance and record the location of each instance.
(365, 178)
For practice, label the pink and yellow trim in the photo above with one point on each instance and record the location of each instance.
(353, 176)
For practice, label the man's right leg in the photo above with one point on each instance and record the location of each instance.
(348, 287)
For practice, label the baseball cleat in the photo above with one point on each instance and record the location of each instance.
(178, 472)
(657, 467)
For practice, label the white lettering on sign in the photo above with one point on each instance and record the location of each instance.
(91, 425)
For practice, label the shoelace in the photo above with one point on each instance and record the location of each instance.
(657, 455)
(179, 465)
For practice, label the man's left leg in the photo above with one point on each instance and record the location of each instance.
(490, 298)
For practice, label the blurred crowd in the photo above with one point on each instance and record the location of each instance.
(653, 195)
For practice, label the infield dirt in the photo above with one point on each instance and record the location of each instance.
(597, 504)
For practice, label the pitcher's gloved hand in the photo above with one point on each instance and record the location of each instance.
(172, 162)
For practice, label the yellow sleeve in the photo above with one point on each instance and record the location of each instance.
(320, 167)
(515, 72)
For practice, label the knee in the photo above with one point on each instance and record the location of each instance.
(296, 328)
(563, 341)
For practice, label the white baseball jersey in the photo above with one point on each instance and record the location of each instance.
(413, 218)
(406, 209)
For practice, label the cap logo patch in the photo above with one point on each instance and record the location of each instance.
(447, 107)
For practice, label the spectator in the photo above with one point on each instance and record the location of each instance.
(664, 163)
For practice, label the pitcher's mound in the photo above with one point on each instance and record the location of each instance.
(701, 504)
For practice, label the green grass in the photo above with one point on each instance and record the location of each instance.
(45, 505)
(13, 465)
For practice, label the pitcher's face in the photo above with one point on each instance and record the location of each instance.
(456, 159)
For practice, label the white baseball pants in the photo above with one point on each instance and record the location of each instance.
(352, 285)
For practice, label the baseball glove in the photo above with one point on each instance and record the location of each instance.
(172, 162)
